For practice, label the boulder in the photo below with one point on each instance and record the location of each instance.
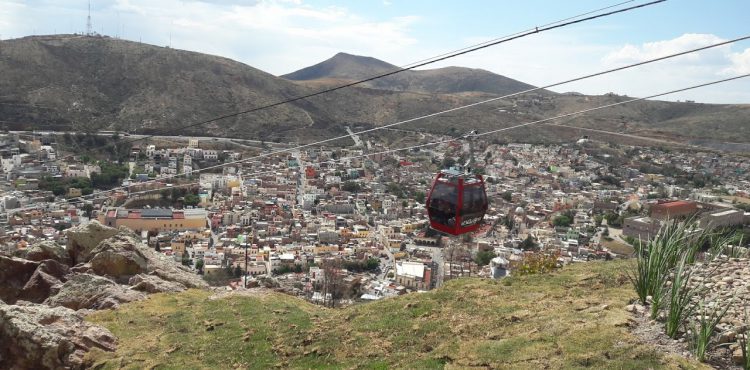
(86, 291)
(171, 271)
(118, 257)
(48, 338)
(54, 268)
(84, 238)
(123, 255)
(48, 250)
(154, 284)
(39, 287)
(14, 273)
(167, 269)
(42, 283)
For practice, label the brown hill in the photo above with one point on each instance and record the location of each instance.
(65, 82)
(446, 80)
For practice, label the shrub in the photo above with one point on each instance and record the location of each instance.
(536, 263)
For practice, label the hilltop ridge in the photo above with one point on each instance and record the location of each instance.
(83, 83)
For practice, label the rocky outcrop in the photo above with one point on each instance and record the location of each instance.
(119, 257)
(42, 282)
(154, 284)
(48, 250)
(158, 264)
(39, 287)
(35, 336)
(83, 239)
(86, 291)
(82, 276)
(166, 269)
(14, 273)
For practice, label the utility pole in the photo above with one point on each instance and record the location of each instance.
(252, 238)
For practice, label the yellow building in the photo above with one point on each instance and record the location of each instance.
(74, 192)
(325, 248)
(155, 219)
(361, 231)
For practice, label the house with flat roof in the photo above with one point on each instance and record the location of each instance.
(158, 219)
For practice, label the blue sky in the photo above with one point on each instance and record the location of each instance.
(280, 36)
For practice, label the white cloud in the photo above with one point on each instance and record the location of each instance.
(629, 54)
(280, 36)
(740, 63)
(550, 58)
(276, 36)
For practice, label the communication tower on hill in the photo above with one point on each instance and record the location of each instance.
(89, 29)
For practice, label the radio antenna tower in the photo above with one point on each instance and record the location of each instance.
(89, 31)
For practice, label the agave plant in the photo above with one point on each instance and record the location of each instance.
(680, 296)
(657, 258)
(703, 328)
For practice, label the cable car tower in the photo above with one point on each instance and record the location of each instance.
(458, 201)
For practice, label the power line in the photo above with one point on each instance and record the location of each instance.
(531, 31)
(518, 33)
(267, 154)
(561, 116)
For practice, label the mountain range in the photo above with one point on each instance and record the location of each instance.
(75, 82)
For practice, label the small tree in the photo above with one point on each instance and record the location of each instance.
(528, 243)
(156, 246)
(185, 258)
(562, 221)
(199, 266)
(88, 208)
(191, 200)
(507, 196)
(483, 258)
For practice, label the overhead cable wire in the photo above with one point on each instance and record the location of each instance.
(551, 26)
(466, 106)
(491, 132)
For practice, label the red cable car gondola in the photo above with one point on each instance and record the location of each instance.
(457, 201)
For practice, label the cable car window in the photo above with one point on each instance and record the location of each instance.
(474, 204)
(443, 204)
(474, 200)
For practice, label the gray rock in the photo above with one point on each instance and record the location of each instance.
(154, 284)
(48, 250)
(92, 292)
(39, 287)
(48, 338)
(118, 257)
(83, 239)
(132, 254)
(14, 273)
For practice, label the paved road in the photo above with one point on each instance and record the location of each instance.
(230, 140)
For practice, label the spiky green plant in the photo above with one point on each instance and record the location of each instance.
(655, 259)
(680, 295)
(744, 343)
(728, 244)
(702, 329)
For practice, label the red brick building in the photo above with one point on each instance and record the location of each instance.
(674, 210)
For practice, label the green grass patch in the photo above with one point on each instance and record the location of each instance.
(571, 318)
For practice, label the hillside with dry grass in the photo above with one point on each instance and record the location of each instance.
(573, 318)
(73, 82)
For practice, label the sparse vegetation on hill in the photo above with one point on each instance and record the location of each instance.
(571, 318)
(73, 82)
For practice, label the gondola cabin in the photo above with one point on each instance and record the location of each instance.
(457, 202)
